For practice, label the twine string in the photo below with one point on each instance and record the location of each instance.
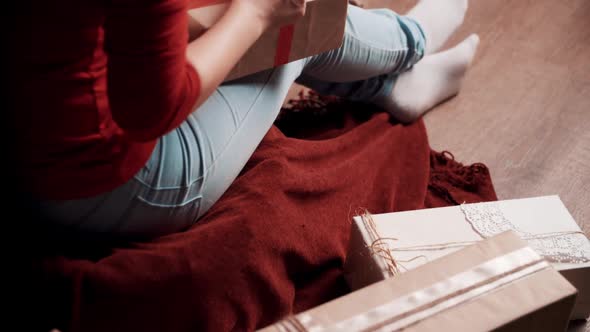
(380, 246)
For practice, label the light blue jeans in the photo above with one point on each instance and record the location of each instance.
(192, 166)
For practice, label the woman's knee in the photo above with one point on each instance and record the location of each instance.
(415, 40)
(400, 32)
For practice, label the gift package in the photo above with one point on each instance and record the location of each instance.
(499, 284)
(393, 244)
(320, 30)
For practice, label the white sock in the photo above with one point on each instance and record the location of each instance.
(438, 19)
(434, 79)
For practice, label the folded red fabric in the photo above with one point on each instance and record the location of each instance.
(276, 242)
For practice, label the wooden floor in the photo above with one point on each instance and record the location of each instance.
(524, 109)
(525, 106)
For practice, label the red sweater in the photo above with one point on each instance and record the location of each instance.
(79, 135)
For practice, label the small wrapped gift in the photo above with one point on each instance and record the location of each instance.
(498, 284)
(320, 30)
(384, 245)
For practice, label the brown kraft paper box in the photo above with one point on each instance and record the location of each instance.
(320, 30)
(544, 222)
(498, 284)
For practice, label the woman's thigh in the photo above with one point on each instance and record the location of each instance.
(199, 160)
(191, 167)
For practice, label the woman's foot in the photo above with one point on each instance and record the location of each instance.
(434, 79)
(438, 19)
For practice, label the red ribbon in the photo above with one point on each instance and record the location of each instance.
(284, 41)
(284, 44)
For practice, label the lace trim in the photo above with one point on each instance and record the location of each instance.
(559, 247)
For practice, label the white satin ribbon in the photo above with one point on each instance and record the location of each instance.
(414, 307)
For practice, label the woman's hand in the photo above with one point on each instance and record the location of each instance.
(217, 51)
(275, 12)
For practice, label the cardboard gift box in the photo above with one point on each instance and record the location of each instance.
(498, 284)
(320, 30)
(385, 245)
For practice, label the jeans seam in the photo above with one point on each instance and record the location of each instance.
(379, 48)
(181, 204)
(217, 155)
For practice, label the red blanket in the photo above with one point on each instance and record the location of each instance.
(275, 243)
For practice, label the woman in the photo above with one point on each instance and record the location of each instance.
(126, 128)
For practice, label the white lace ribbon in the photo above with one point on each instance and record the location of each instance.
(559, 247)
